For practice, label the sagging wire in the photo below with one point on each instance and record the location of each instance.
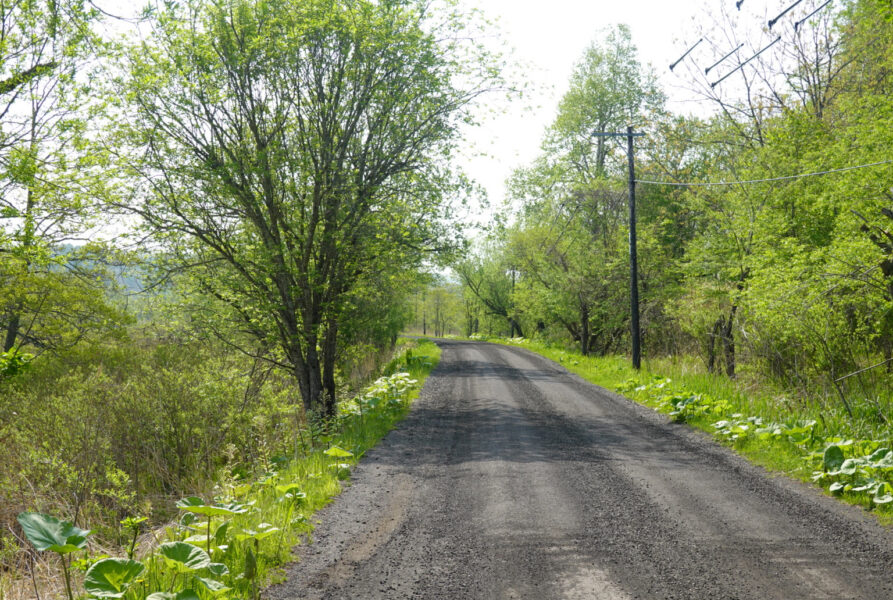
(726, 76)
(708, 69)
(810, 15)
(770, 179)
(783, 13)
(687, 52)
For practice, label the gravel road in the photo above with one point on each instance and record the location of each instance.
(512, 478)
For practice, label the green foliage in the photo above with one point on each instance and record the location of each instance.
(14, 362)
(49, 298)
(784, 282)
(48, 533)
(246, 547)
(332, 196)
(568, 244)
(193, 412)
(111, 577)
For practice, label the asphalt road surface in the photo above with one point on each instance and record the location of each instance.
(512, 478)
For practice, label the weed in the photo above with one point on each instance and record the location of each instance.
(227, 547)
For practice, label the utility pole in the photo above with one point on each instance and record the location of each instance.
(629, 134)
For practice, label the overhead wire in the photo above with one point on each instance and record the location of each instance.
(766, 180)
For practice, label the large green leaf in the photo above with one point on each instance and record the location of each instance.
(337, 452)
(212, 585)
(879, 454)
(184, 557)
(882, 459)
(849, 466)
(883, 495)
(833, 458)
(288, 488)
(49, 533)
(196, 505)
(110, 577)
(220, 534)
(263, 530)
(184, 595)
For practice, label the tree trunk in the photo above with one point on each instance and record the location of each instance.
(712, 338)
(584, 329)
(301, 374)
(12, 332)
(728, 343)
(515, 326)
(328, 368)
(314, 377)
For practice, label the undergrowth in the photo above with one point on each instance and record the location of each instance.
(228, 544)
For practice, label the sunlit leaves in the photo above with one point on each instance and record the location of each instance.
(111, 577)
(47, 533)
(184, 557)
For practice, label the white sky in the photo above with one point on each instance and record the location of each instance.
(550, 36)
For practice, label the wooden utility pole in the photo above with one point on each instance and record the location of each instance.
(629, 134)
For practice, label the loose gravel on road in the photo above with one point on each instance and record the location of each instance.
(512, 478)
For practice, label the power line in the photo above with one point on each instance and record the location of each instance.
(785, 178)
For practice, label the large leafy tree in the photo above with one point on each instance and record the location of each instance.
(567, 243)
(291, 151)
(489, 279)
(610, 89)
(568, 252)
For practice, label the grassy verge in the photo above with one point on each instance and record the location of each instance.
(231, 545)
(809, 442)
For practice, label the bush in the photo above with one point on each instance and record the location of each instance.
(108, 431)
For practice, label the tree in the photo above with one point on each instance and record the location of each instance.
(609, 90)
(491, 280)
(566, 244)
(571, 265)
(52, 293)
(287, 150)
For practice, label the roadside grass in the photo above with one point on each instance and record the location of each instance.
(849, 458)
(234, 544)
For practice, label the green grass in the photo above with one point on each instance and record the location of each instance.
(802, 430)
(262, 519)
